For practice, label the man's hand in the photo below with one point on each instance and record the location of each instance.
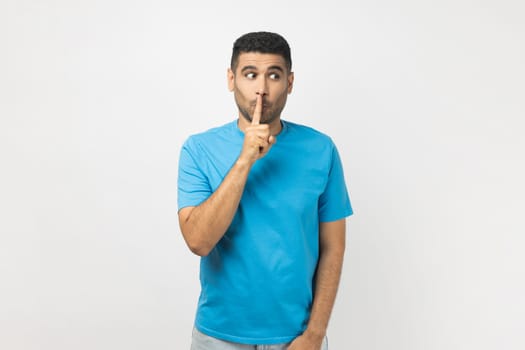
(305, 342)
(257, 137)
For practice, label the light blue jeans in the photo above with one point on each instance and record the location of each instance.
(202, 341)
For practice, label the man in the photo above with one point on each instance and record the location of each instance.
(263, 201)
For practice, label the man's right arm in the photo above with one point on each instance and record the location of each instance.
(204, 225)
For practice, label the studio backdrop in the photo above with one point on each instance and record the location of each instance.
(424, 100)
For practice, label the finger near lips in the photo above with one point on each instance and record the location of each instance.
(263, 139)
(256, 119)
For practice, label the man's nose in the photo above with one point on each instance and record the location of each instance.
(262, 88)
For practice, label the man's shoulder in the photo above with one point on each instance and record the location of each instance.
(307, 132)
(209, 134)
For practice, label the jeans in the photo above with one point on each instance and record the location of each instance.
(202, 341)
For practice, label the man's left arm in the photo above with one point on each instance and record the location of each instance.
(331, 252)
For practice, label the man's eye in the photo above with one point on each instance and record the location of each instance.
(250, 75)
(274, 76)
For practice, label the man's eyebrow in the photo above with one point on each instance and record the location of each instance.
(245, 68)
(279, 68)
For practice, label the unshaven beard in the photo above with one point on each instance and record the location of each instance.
(249, 117)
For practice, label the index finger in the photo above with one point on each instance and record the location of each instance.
(256, 119)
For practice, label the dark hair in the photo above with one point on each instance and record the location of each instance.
(263, 42)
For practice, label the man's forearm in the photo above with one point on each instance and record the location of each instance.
(206, 223)
(327, 279)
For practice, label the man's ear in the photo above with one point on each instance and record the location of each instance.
(231, 78)
(290, 82)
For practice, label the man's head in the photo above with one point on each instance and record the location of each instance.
(261, 65)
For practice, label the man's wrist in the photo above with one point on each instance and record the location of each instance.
(315, 334)
(243, 163)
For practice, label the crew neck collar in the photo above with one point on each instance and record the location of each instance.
(284, 128)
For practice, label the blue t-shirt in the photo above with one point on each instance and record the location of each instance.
(257, 282)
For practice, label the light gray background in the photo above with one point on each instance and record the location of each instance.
(425, 100)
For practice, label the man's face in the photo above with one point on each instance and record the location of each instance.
(260, 74)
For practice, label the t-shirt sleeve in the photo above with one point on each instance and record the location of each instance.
(193, 185)
(334, 202)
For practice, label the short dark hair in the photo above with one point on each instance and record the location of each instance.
(263, 42)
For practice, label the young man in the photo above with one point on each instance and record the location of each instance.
(263, 201)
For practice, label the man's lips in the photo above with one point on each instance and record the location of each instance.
(265, 105)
